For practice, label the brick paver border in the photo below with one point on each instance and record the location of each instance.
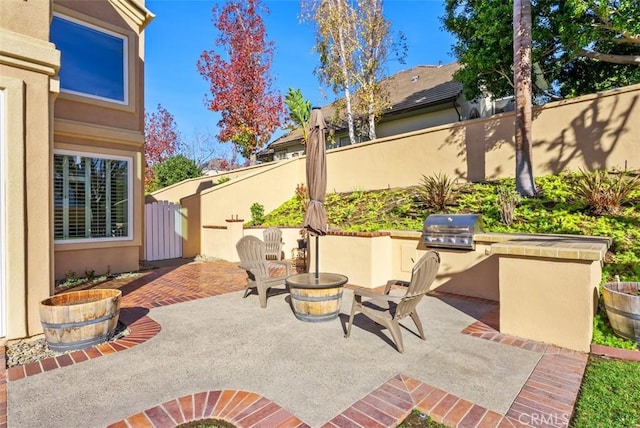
(242, 408)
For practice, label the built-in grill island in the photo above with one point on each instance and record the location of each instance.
(453, 231)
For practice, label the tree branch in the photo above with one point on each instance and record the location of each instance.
(615, 59)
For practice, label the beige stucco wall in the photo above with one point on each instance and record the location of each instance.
(469, 273)
(551, 301)
(193, 186)
(98, 127)
(220, 241)
(28, 18)
(592, 131)
(28, 66)
(269, 186)
(365, 260)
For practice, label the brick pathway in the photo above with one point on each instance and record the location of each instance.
(547, 398)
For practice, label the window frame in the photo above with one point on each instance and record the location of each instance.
(125, 61)
(130, 220)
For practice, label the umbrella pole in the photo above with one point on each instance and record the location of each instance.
(317, 258)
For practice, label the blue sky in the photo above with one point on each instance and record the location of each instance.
(183, 29)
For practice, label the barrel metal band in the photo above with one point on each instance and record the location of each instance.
(318, 318)
(56, 326)
(317, 298)
(79, 344)
(623, 313)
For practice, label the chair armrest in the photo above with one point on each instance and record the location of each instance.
(393, 282)
(284, 263)
(359, 293)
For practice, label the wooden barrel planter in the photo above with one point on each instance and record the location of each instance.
(80, 319)
(622, 302)
(316, 305)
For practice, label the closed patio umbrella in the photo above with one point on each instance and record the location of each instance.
(315, 220)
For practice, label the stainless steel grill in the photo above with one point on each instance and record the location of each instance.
(451, 230)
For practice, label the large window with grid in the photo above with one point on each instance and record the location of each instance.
(92, 197)
(93, 60)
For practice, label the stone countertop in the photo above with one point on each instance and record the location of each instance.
(568, 247)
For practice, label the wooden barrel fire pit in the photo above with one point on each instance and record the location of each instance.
(622, 302)
(80, 319)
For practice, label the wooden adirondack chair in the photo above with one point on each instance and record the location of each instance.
(262, 274)
(387, 310)
(273, 241)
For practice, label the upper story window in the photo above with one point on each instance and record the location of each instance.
(93, 60)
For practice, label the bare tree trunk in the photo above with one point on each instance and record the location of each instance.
(345, 74)
(372, 123)
(522, 79)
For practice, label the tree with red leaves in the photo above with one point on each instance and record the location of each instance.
(239, 77)
(161, 140)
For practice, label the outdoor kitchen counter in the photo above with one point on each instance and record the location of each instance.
(548, 285)
(567, 247)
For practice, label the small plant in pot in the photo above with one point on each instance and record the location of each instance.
(302, 241)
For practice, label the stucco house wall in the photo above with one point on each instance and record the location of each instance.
(39, 119)
(28, 69)
(95, 127)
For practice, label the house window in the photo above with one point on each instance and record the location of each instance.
(92, 197)
(93, 60)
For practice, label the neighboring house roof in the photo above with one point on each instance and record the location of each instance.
(416, 88)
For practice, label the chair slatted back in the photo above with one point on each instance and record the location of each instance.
(251, 251)
(422, 276)
(273, 241)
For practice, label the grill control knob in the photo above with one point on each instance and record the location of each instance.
(465, 240)
(440, 239)
(452, 240)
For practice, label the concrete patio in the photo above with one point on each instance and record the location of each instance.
(197, 349)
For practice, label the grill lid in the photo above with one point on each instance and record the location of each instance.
(451, 230)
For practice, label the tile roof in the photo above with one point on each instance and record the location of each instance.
(411, 89)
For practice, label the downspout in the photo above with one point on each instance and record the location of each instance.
(455, 106)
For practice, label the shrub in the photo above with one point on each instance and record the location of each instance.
(173, 170)
(437, 191)
(508, 200)
(222, 180)
(604, 192)
(257, 214)
(302, 196)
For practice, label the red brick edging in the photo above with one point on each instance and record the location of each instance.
(549, 395)
(621, 354)
(141, 330)
(242, 408)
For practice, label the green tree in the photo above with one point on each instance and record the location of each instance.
(173, 170)
(596, 21)
(299, 111)
(567, 36)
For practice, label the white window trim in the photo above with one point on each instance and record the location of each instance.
(125, 61)
(129, 161)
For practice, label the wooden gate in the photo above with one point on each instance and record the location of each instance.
(163, 231)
